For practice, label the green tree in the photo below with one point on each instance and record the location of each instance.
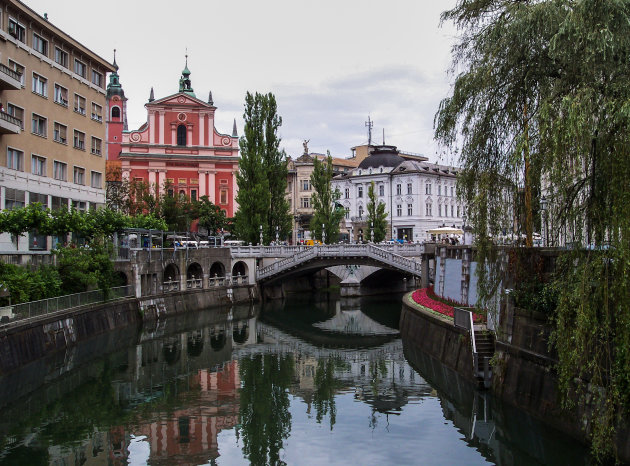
(376, 216)
(326, 211)
(211, 216)
(262, 173)
(264, 406)
(542, 98)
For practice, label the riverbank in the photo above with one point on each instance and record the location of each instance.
(28, 340)
(524, 366)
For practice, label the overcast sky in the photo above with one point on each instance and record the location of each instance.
(330, 63)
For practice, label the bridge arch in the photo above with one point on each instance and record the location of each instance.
(217, 269)
(171, 272)
(239, 268)
(194, 271)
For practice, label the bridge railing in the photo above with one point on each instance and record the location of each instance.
(341, 250)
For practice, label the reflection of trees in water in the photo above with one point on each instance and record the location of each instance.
(264, 411)
(326, 385)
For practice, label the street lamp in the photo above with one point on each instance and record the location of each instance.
(277, 234)
(323, 235)
(351, 235)
(543, 220)
(371, 232)
(261, 236)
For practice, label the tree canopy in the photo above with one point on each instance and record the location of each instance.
(540, 107)
(262, 173)
(326, 211)
(376, 216)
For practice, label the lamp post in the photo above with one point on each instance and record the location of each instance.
(323, 234)
(351, 235)
(371, 232)
(543, 220)
(277, 234)
(261, 236)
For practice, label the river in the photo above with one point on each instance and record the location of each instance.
(311, 380)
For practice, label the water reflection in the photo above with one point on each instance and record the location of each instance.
(225, 387)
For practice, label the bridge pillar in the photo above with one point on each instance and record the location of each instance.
(442, 250)
(466, 255)
(424, 263)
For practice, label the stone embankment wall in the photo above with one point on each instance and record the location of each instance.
(437, 337)
(26, 341)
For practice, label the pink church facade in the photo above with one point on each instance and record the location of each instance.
(180, 147)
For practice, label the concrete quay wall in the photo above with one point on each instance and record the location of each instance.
(29, 340)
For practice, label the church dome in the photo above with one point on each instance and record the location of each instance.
(382, 156)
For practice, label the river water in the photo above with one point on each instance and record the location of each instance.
(313, 380)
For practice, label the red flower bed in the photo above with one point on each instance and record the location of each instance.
(423, 297)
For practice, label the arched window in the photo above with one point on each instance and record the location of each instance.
(181, 135)
(115, 112)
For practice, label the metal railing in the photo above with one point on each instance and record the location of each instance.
(71, 301)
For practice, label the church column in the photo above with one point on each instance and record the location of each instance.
(162, 126)
(173, 134)
(202, 122)
(152, 127)
(161, 179)
(202, 183)
(211, 186)
(152, 181)
(189, 140)
(234, 192)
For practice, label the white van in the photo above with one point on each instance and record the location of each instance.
(233, 243)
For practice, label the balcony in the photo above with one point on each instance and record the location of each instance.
(9, 124)
(9, 79)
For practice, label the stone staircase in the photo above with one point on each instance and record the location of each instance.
(484, 343)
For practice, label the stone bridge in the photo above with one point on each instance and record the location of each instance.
(324, 256)
(156, 271)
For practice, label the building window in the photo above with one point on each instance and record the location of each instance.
(429, 210)
(39, 125)
(40, 44)
(79, 140)
(409, 209)
(79, 175)
(61, 95)
(14, 198)
(452, 191)
(440, 210)
(452, 211)
(96, 180)
(15, 159)
(305, 202)
(79, 104)
(457, 211)
(399, 210)
(223, 199)
(359, 191)
(61, 57)
(306, 185)
(115, 112)
(79, 205)
(181, 135)
(17, 30)
(440, 190)
(80, 68)
(409, 188)
(97, 78)
(96, 146)
(347, 213)
(38, 165)
(60, 171)
(194, 181)
(97, 112)
(18, 69)
(60, 133)
(40, 85)
(427, 188)
(381, 190)
(347, 193)
(193, 194)
(16, 112)
(360, 211)
(398, 189)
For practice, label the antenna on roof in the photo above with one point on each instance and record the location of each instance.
(369, 124)
(383, 136)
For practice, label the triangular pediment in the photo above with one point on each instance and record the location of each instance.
(179, 99)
